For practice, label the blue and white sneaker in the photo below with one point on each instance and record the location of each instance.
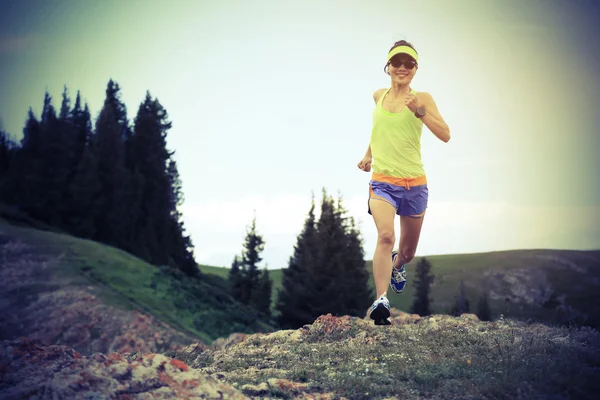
(398, 280)
(380, 311)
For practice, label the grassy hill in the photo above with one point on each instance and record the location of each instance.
(542, 285)
(203, 310)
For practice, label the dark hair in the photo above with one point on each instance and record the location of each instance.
(402, 43)
(397, 44)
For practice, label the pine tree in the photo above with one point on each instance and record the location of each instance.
(65, 156)
(82, 123)
(235, 279)
(25, 178)
(293, 298)
(6, 146)
(484, 313)
(327, 273)
(262, 296)
(113, 100)
(423, 280)
(65, 111)
(461, 303)
(82, 195)
(254, 245)
(151, 158)
(179, 246)
(111, 223)
(123, 205)
(8, 151)
(55, 169)
(353, 272)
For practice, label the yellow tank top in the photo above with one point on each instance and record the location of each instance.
(396, 142)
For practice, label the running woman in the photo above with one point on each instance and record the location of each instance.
(398, 184)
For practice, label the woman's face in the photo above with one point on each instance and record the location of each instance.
(402, 68)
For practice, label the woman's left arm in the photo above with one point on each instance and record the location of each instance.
(433, 119)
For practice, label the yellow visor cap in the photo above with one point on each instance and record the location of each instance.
(403, 49)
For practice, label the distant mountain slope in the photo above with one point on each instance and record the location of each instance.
(544, 285)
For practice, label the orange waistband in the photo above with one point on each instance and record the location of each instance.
(406, 182)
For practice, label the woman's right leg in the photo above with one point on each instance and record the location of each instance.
(384, 215)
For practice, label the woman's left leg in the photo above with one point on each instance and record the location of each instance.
(410, 233)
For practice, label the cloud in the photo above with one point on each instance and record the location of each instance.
(218, 228)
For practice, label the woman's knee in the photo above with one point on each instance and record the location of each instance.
(386, 238)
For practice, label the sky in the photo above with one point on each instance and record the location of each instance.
(272, 101)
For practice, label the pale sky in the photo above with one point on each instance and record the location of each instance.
(272, 100)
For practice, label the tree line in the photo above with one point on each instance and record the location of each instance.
(115, 182)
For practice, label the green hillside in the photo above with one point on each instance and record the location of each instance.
(204, 309)
(542, 280)
(275, 275)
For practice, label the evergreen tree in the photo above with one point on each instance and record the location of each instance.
(327, 273)
(111, 222)
(82, 123)
(55, 169)
(65, 156)
(293, 299)
(423, 280)
(356, 292)
(113, 100)
(39, 176)
(180, 247)
(6, 146)
(123, 184)
(484, 313)
(65, 112)
(150, 164)
(24, 177)
(262, 296)
(235, 279)
(82, 196)
(8, 150)
(254, 245)
(461, 303)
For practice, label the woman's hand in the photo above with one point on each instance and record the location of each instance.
(365, 164)
(411, 101)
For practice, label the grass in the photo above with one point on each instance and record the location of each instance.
(506, 360)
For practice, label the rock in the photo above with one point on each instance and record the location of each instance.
(256, 390)
(399, 317)
(469, 317)
(229, 341)
(31, 370)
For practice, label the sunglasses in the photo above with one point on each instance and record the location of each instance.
(408, 64)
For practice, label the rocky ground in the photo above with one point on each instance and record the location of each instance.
(60, 340)
(31, 371)
(436, 357)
